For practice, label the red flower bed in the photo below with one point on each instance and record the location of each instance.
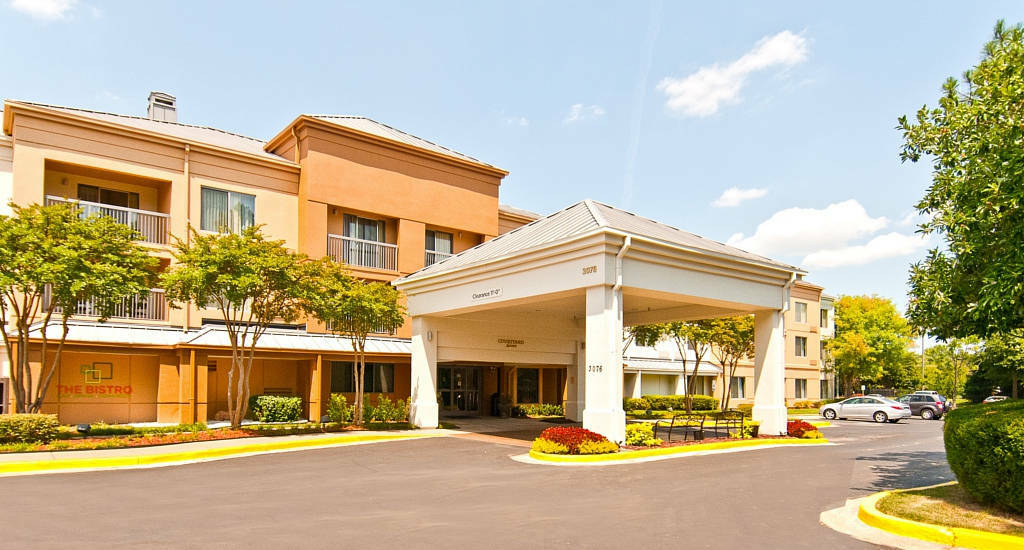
(571, 437)
(797, 428)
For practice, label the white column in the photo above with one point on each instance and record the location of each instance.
(602, 412)
(770, 372)
(574, 386)
(634, 386)
(678, 385)
(423, 370)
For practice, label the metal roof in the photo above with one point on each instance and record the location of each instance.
(188, 132)
(371, 126)
(632, 364)
(518, 212)
(579, 219)
(216, 336)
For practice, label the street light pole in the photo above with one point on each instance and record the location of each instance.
(922, 360)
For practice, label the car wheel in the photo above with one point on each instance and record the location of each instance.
(927, 414)
(881, 417)
(829, 414)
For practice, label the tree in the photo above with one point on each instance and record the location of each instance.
(51, 258)
(972, 286)
(1000, 365)
(871, 340)
(251, 281)
(695, 335)
(353, 308)
(949, 365)
(733, 340)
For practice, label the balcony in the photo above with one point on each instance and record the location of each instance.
(359, 252)
(433, 257)
(151, 307)
(152, 226)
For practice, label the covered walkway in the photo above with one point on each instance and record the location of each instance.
(560, 290)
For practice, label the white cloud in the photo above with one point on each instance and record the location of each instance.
(516, 121)
(806, 230)
(890, 245)
(579, 112)
(733, 196)
(702, 93)
(44, 9)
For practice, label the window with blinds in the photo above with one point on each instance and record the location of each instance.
(226, 211)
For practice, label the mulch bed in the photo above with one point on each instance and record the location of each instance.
(679, 443)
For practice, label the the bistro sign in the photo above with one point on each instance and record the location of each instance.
(93, 383)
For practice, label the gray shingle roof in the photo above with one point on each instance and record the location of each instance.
(188, 132)
(371, 126)
(579, 219)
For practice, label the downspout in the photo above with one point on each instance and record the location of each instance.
(188, 225)
(786, 290)
(617, 288)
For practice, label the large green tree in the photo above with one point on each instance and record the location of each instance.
(949, 365)
(732, 340)
(871, 340)
(974, 283)
(52, 258)
(252, 281)
(693, 335)
(353, 308)
(1000, 365)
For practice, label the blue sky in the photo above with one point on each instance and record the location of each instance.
(659, 108)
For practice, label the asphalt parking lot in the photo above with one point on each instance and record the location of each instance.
(466, 493)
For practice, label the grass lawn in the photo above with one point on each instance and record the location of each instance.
(949, 505)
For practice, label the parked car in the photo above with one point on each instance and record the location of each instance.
(994, 399)
(879, 409)
(927, 405)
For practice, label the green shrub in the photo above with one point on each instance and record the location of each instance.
(28, 428)
(678, 402)
(635, 404)
(641, 434)
(338, 409)
(386, 410)
(550, 447)
(985, 449)
(541, 409)
(806, 405)
(598, 447)
(275, 408)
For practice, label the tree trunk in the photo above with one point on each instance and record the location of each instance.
(1013, 392)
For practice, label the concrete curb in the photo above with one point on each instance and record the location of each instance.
(62, 465)
(869, 513)
(644, 455)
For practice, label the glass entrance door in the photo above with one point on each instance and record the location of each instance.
(459, 388)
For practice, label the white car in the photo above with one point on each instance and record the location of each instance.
(994, 399)
(878, 409)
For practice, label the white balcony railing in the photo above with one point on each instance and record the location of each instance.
(151, 225)
(375, 330)
(151, 307)
(433, 257)
(363, 253)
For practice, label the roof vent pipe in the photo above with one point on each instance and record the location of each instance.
(162, 107)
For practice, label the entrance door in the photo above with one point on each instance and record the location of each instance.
(459, 388)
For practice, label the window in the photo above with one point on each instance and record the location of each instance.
(527, 385)
(824, 318)
(377, 378)
(801, 346)
(364, 228)
(91, 193)
(438, 246)
(737, 387)
(226, 210)
(800, 388)
(801, 312)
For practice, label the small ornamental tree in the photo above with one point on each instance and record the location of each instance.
(354, 309)
(733, 340)
(250, 280)
(695, 335)
(51, 258)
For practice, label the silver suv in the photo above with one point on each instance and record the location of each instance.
(926, 404)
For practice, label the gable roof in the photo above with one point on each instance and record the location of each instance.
(580, 219)
(187, 132)
(370, 126)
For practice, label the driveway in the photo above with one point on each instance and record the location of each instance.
(466, 493)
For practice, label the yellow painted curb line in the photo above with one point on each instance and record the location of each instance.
(950, 536)
(646, 453)
(187, 456)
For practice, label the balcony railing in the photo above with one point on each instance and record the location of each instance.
(151, 307)
(151, 225)
(433, 257)
(363, 253)
(375, 330)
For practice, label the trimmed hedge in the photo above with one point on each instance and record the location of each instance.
(678, 402)
(386, 410)
(541, 409)
(28, 428)
(275, 408)
(985, 449)
(635, 404)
